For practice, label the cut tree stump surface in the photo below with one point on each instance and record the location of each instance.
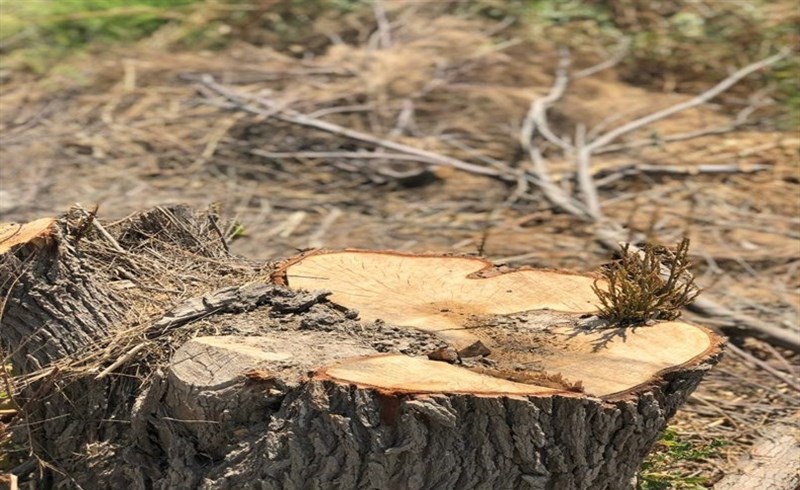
(13, 234)
(467, 302)
(336, 370)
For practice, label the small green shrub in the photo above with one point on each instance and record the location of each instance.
(653, 283)
(73, 23)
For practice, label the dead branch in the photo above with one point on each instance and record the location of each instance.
(771, 463)
(384, 27)
(583, 157)
(623, 171)
(735, 324)
(125, 358)
(700, 99)
(671, 138)
(101, 229)
(348, 155)
(246, 103)
(536, 121)
(555, 194)
(753, 360)
(619, 54)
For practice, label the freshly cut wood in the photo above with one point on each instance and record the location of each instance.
(352, 369)
(467, 302)
(435, 294)
(405, 374)
(13, 234)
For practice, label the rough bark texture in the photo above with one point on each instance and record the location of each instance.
(55, 304)
(224, 394)
(361, 439)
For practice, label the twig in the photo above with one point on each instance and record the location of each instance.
(294, 221)
(294, 117)
(404, 118)
(736, 323)
(667, 138)
(622, 50)
(122, 360)
(792, 370)
(693, 102)
(741, 119)
(785, 378)
(101, 229)
(315, 239)
(384, 27)
(500, 26)
(521, 189)
(584, 169)
(536, 119)
(212, 218)
(718, 169)
(353, 155)
(553, 193)
(341, 109)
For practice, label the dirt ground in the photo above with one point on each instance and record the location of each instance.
(139, 127)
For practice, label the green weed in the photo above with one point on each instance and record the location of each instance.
(651, 284)
(655, 473)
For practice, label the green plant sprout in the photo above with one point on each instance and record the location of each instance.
(647, 284)
(658, 473)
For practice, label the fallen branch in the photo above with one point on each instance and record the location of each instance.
(753, 360)
(350, 155)
(772, 462)
(245, 102)
(736, 324)
(621, 51)
(739, 121)
(583, 160)
(623, 171)
(536, 121)
(693, 102)
(122, 360)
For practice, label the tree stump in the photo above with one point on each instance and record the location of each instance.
(163, 362)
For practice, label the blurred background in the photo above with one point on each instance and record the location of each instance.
(517, 130)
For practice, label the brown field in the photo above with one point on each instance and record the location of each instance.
(144, 124)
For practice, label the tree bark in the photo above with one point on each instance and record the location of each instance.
(150, 358)
(54, 303)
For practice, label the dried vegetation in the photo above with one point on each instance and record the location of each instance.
(138, 127)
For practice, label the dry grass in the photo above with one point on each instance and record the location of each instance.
(135, 128)
(155, 271)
